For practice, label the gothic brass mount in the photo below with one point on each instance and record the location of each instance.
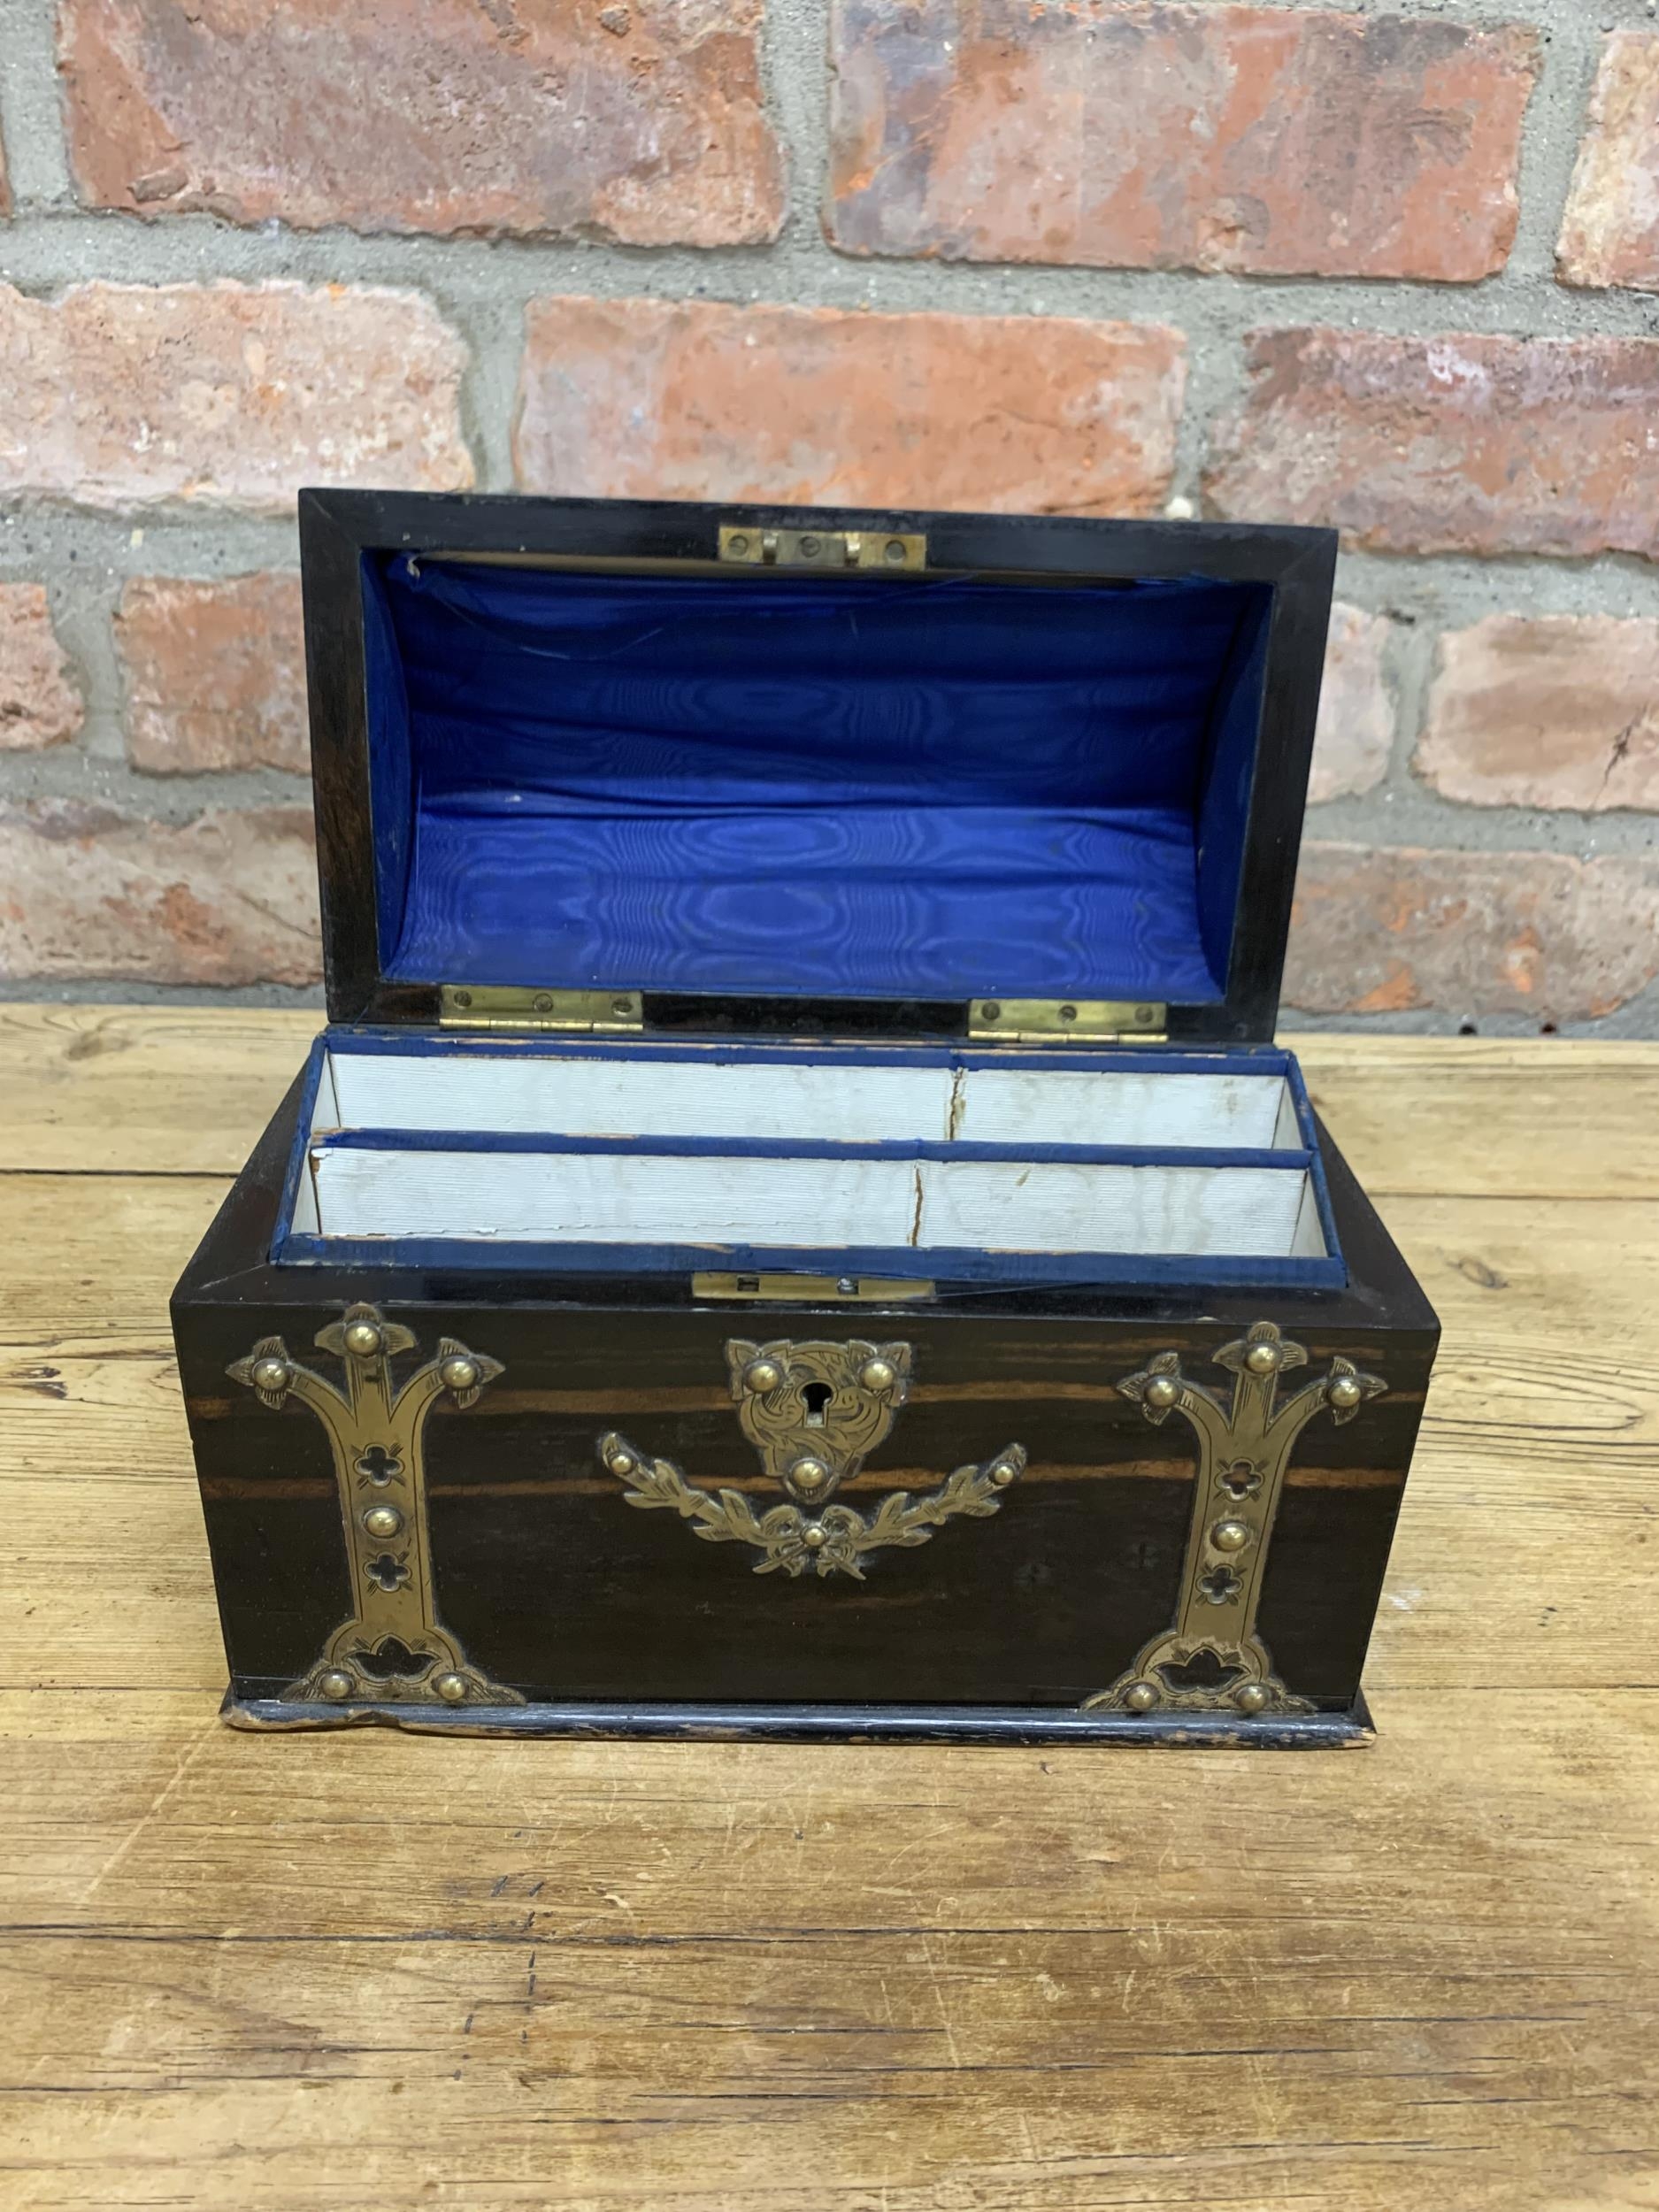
(813, 1411)
(1212, 1660)
(392, 1650)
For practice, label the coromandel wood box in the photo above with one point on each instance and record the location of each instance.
(797, 1224)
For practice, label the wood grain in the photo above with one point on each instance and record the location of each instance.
(386, 1972)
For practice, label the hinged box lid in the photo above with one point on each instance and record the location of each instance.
(612, 765)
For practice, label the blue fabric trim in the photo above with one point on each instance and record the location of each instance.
(734, 1051)
(298, 1156)
(1229, 780)
(944, 1265)
(392, 760)
(807, 787)
(792, 1149)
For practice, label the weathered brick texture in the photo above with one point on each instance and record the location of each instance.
(214, 673)
(39, 703)
(1357, 708)
(1611, 232)
(641, 121)
(1263, 138)
(1555, 710)
(1457, 444)
(1405, 931)
(649, 398)
(226, 395)
(229, 898)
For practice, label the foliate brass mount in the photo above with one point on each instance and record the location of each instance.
(501, 1006)
(813, 1411)
(392, 1650)
(1088, 1020)
(1211, 1660)
(753, 545)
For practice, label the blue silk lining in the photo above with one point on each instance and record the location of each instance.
(818, 786)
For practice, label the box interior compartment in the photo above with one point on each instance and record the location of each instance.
(926, 1160)
(906, 789)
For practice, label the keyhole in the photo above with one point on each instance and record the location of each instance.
(816, 1397)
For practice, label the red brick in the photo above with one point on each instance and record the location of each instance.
(1262, 139)
(1379, 932)
(39, 705)
(226, 395)
(1357, 708)
(1545, 711)
(642, 122)
(215, 673)
(1448, 445)
(1611, 232)
(225, 899)
(690, 401)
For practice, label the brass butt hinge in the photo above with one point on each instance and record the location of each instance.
(1098, 1021)
(892, 551)
(501, 1006)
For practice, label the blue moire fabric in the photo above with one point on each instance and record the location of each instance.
(810, 786)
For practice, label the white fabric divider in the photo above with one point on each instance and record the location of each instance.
(719, 1199)
(547, 1095)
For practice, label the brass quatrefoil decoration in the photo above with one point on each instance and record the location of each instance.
(813, 1412)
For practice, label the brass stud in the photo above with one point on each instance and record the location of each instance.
(809, 1474)
(877, 1374)
(1003, 1474)
(1344, 1392)
(459, 1373)
(1140, 1697)
(813, 1538)
(762, 1375)
(1250, 1697)
(1230, 1535)
(451, 1688)
(1162, 1392)
(272, 1374)
(364, 1339)
(620, 1462)
(382, 1520)
(1263, 1359)
(335, 1685)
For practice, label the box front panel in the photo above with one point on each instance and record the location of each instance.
(943, 1509)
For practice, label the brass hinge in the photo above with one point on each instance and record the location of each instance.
(892, 551)
(823, 1290)
(1099, 1021)
(507, 1006)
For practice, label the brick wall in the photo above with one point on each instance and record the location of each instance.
(1394, 270)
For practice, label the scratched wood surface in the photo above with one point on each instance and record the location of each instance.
(368, 1972)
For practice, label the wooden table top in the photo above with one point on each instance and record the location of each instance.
(361, 1972)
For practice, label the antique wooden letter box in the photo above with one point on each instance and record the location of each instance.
(798, 1223)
